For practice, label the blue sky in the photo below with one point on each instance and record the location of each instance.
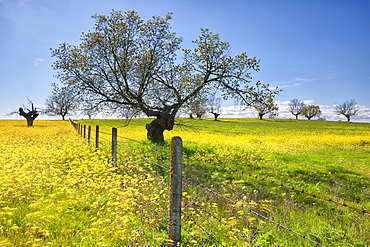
(317, 51)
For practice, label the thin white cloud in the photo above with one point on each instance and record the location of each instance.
(304, 79)
(237, 112)
(294, 83)
(308, 101)
(38, 61)
(290, 85)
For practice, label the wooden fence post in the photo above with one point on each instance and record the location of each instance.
(175, 192)
(97, 137)
(89, 134)
(84, 131)
(114, 146)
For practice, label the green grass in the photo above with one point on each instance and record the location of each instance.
(330, 159)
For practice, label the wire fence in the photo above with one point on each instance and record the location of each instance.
(199, 206)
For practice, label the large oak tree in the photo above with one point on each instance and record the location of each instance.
(128, 62)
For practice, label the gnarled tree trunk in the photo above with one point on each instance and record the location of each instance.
(215, 115)
(158, 126)
(30, 115)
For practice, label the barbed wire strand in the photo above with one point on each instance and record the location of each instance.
(164, 167)
(189, 233)
(253, 211)
(183, 213)
(106, 140)
(222, 222)
(145, 158)
(201, 228)
(102, 132)
(264, 179)
(280, 184)
(145, 143)
(124, 156)
(144, 167)
(216, 193)
(152, 175)
(107, 143)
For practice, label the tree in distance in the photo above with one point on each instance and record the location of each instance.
(87, 107)
(61, 102)
(214, 106)
(311, 111)
(266, 106)
(347, 109)
(295, 107)
(128, 62)
(196, 107)
(29, 115)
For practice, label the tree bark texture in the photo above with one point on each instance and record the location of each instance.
(158, 126)
(29, 116)
(216, 115)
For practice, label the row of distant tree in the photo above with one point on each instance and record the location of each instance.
(348, 109)
(268, 107)
(63, 102)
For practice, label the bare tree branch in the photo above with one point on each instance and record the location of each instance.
(348, 109)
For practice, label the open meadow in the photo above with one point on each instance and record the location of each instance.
(246, 182)
(55, 190)
(328, 159)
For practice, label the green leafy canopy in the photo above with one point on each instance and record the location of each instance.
(126, 62)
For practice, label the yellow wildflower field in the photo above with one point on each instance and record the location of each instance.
(328, 159)
(55, 190)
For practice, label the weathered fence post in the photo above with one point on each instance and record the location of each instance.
(97, 137)
(84, 131)
(114, 146)
(89, 134)
(176, 192)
